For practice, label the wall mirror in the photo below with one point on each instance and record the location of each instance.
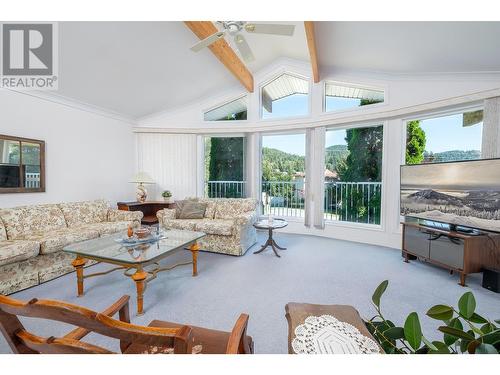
(22, 165)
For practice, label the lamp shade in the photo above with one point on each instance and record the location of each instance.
(142, 178)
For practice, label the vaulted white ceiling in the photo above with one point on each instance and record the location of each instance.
(139, 68)
(410, 47)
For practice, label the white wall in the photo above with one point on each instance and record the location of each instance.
(171, 160)
(406, 96)
(88, 156)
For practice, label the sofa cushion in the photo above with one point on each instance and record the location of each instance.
(78, 213)
(3, 233)
(215, 226)
(182, 224)
(22, 221)
(17, 250)
(232, 207)
(108, 227)
(55, 240)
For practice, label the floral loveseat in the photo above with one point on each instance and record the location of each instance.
(32, 237)
(228, 224)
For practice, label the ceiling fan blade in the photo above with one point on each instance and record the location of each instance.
(207, 41)
(270, 28)
(244, 48)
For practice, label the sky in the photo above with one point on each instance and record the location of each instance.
(442, 134)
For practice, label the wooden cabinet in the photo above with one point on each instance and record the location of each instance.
(149, 209)
(456, 251)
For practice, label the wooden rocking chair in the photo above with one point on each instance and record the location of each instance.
(158, 338)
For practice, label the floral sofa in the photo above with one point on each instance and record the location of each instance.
(228, 224)
(32, 237)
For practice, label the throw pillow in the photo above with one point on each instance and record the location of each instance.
(193, 210)
(180, 204)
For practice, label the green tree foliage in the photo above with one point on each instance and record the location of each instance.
(335, 155)
(279, 165)
(415, 143)
(226, 159)
(364, 162)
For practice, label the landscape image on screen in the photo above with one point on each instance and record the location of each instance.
(461, 193)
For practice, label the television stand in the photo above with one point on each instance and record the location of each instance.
(456, 251)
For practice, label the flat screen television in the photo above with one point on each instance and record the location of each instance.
(464, 194)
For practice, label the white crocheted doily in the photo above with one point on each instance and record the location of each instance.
(326, 334)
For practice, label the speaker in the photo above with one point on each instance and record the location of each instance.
(491, 279)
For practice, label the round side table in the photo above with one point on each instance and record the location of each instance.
(270, 226)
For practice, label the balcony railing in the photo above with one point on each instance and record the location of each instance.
(357, 202)
(225, 189)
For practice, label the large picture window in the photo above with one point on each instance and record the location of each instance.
(446, 138)
(353, 174)
(283, 174)
(225, 167)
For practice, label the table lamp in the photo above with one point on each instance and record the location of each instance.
(141, 179)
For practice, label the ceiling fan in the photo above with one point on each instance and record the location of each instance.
(235, 30)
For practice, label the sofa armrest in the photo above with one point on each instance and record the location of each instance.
(249, 217)
(165, 214)
(120, 215)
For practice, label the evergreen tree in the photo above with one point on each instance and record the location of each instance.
(415, 143)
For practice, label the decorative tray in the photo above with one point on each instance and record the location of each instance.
(132, 241)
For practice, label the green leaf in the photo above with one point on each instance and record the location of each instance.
(467, 305)
(486, 349)
(456, 333)
(413, 331)
(487, 328)
(379, 291)
(454, 323)
(441, 348)
(497, 321)
(429, 344)
(440, 312)
(492, 337)
(476, 318)
(394, 333)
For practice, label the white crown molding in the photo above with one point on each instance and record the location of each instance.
(73, 103)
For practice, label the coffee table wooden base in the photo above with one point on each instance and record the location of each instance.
(139, 275)
(271, 243)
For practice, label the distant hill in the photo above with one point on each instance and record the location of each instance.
(453, 155)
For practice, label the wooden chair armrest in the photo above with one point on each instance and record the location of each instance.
(238, 342)
(121, 306)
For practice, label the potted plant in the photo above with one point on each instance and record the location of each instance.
(463, 329)
(167, 196)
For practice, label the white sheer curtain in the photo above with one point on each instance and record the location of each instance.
(314, 184)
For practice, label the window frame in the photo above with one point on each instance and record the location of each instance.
(202, 153)
(21, 140)
(356, 85)
(225, 102)
(432, 115)
(290, 219)
(350, 224)
(287, 118)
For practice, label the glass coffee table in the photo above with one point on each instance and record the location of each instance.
(270, 226)
(139, 262)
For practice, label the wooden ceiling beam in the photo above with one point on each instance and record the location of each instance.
(223, 51)
(313, 52)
